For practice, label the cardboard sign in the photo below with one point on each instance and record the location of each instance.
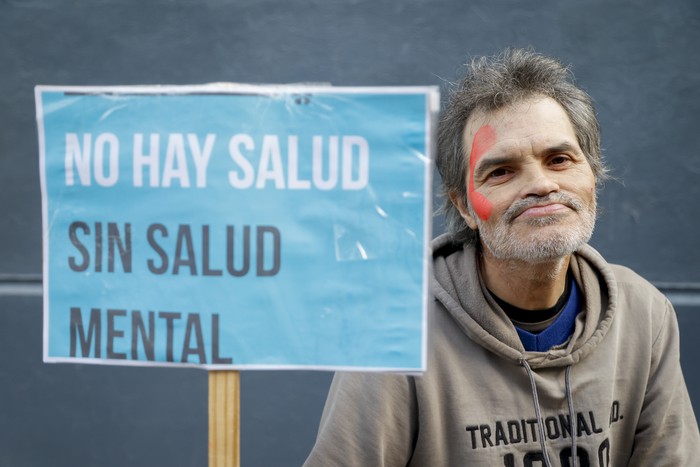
(232, 226)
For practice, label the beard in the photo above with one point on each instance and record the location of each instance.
(539, 239)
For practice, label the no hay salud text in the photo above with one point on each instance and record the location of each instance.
(163, 161)
(337, 156)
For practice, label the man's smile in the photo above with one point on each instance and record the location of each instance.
(543, 210)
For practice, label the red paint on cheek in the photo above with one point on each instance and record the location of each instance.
(484, 139)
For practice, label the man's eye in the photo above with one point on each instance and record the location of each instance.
(558, 160)
(498, 173)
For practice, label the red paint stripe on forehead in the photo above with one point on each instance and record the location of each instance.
(484, 139)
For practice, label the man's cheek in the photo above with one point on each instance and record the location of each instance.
(484, 139)
(481, 205)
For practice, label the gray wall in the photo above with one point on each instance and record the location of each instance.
(638, 59)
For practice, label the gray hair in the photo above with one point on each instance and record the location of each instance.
(495, 82)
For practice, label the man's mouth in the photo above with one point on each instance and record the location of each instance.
(542, 207)
(543, 210)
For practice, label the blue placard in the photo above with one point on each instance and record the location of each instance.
(232, 226)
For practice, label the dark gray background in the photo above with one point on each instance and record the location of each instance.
(638, 59)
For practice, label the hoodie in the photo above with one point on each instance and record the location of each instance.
(613, 394)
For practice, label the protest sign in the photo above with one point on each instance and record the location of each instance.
(233, 226)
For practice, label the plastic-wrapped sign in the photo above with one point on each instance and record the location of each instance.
(232, 226)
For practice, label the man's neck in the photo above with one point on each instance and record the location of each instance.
(525, 285)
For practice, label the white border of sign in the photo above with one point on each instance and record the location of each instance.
(432, 109)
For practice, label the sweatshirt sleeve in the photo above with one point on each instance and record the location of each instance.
(667, 431)
(369, 420)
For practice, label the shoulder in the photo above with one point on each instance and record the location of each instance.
(623, 281)
(636, 303)
(640, 304)
(634, 288)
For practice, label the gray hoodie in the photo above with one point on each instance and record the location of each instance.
(616, 384)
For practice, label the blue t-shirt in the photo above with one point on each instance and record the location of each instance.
(559, 331)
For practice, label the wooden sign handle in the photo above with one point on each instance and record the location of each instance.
(224, 419)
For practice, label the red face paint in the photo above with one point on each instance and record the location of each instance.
(484, 139)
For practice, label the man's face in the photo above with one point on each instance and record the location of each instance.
(531, 190)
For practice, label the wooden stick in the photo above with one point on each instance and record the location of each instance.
(224, 419)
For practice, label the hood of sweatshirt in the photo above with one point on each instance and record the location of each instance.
(456, 274)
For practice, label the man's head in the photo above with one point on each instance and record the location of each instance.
(491, 87)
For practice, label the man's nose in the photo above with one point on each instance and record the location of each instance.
(538, 181)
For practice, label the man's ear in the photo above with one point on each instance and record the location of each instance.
(461, 205)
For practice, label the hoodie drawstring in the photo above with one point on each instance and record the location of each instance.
(540, 424)
(572, 417)
(538, 413)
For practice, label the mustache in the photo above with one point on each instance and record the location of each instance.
(522, 205)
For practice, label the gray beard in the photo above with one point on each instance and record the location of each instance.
(538, 247)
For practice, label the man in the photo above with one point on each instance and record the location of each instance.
(540, 352)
